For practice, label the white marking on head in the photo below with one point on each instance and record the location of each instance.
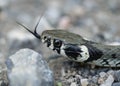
(62, 50)
(51, 46)
(84, 54)
(42, 40)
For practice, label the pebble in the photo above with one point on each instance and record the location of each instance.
(78, 76)
(117, 75)
(109, 81)
(94, 79)
(73, 84)
(63, 72)
(114, 6)
(90, 4)
(84, 82)
(28, 68)
(101, 80)
(116, 84)
(111, 72)
(102, 74)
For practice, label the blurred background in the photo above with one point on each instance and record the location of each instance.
(96, 20)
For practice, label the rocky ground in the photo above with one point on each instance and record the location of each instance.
(96, 20)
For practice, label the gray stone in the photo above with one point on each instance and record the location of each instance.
(94, 79)
(102, 74)
(117, 75)
(111, 72)
(116, 84)
(73, 84)
(114, 6)
(109, 81)
(28, 68)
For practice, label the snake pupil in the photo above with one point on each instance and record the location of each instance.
(57, 45)
(45, 37)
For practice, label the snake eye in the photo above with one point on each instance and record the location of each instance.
(45, 37)
(57, 43)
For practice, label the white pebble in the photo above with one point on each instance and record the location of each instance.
(63, 72)
(84, 82)
(108, 81)
(73, 84)
(102, 74)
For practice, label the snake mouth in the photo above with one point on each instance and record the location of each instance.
(35, 30)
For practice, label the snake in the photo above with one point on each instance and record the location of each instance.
(78, 49)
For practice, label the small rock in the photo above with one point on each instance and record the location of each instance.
(3, 83)
(71, 79)
(73, 84)
(78, 76)
(92, 72)
(109, 81)
(63, 72)
(117, 75)
(101, 80)
(84, 82)
(114, 6)
(90, 4)
(94, 79)
(116, 84)
(28, 68)
(110, 72)
(102, 74)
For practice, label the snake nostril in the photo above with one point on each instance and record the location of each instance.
(47, 40)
